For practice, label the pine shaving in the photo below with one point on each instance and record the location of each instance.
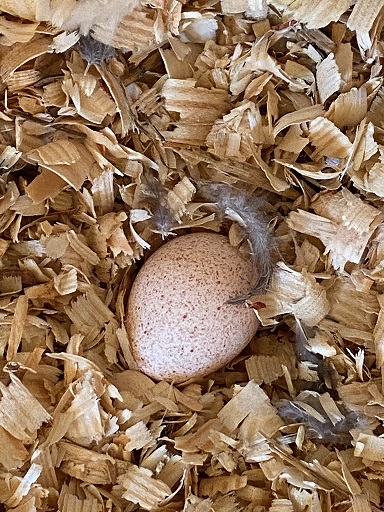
(140, 487)
(282, 98)
(22, 53)
(21, 415)
(328, 78)
(370, 447)
(86, 465)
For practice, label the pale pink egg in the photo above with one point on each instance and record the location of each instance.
(179, 322)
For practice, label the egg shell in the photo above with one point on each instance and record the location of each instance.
(178, 320)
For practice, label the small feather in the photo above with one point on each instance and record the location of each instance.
(93, 51)
(324, 431)
(90, 15)
(154, 197)
(249, 211)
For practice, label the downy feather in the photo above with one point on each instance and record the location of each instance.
(93, 51)
(154, 197)
(250, 212)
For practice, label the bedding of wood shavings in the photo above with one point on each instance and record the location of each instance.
(279, 96)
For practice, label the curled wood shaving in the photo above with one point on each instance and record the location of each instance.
(102, 191)
(86, 465)
(181, 194)
(137, 436)
(24, 9)
(222, 484)
(314, 15)
(20, 54)
(303, 296)
(21, 414)
(268, 368)
(349, 109)
(69, 501)
(66, 283)
(46, 185)
(89, 99)
(16, 454)
(23, 485)
(327, 140)
(70, 161)
(86, 425)
(361, 19)
(282, 505)
(298, 117)
(139, 486)
(19, 79)
(249, 399)
(121, 101)
(88, 311)
(328, 77)
(378, 335)
(370, 447)
(9, 157)
(82, 249)
(196, 106)
(344, 234)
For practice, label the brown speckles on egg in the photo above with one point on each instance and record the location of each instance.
(179, 323)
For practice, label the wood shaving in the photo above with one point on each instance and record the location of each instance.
(139, 487)
(113, 117)
(21, 414)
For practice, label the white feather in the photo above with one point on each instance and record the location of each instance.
(85, 15)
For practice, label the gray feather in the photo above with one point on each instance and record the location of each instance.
(325, 430)
(95, 52)
(250, 211)
(154, 197)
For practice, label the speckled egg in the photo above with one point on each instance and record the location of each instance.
(179, 322)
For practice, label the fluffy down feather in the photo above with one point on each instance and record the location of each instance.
(83, 15)
(324, 431)
(249, 211)
(93, 51)
(154, 198)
